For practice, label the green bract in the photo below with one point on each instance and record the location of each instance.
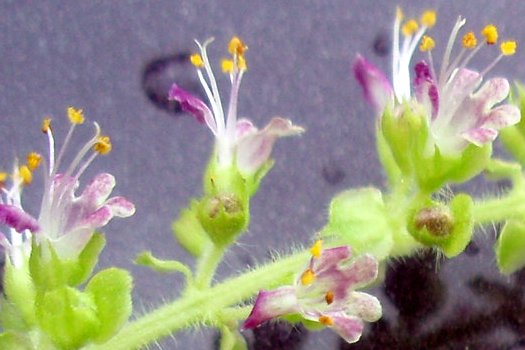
(510, 248)
(357, 218)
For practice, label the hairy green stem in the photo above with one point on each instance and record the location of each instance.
(499, 209)
(207, 265)
(201, 306)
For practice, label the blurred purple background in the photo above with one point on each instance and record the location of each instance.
(106, 57)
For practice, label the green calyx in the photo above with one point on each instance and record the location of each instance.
(223, 216)
(406, 142)
(43, 301)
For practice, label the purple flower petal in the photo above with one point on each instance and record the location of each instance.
(492, 92)
(364, 306)
(96, 193)
(193, 105)
(502, 116)
(120, 207)
(480, 136)
(464, 81)
(331, 257)
(254, 148)
(376, 87)
(98, 218)
(244, 127)
(362, 271)
(425, 88)
(17, 218)
(270, 304)
(349, 328)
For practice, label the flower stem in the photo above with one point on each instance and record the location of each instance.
(207, 265)
(201, 306)
(499, 209)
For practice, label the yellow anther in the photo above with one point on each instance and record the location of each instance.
(33, 160)
(317, 248)
(103, 145)
(427, 43)
(241, 63)
(75, 115)
(326, 320)
(490, 32)
(236, 46)
(410, 27)
(196, 60)
(508, 48)
(469, 40)
(307, 277)
(25, 174)
(329, 297)
(428, 18)
(46, 124)
(227, 66)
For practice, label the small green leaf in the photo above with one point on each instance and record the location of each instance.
(188, 231)
(510, 247)
(111, 293)
(163, 266)
(87, 259)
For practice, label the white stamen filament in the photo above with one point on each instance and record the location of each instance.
(51, 141)
(448, 50)
(63, 148)
(219, 122)
(216, 104)
(83, 151)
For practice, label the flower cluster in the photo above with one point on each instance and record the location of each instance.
(66, 221)
(324, 293)
(460, 109)
(238, 141)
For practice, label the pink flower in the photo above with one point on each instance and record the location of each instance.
(238, 142)
(459, 108)
(66, 221)
(325, 293)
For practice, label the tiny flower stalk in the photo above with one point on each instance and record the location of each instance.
(49, 257)
(439, 127)
(241, 156)
(324, 294)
